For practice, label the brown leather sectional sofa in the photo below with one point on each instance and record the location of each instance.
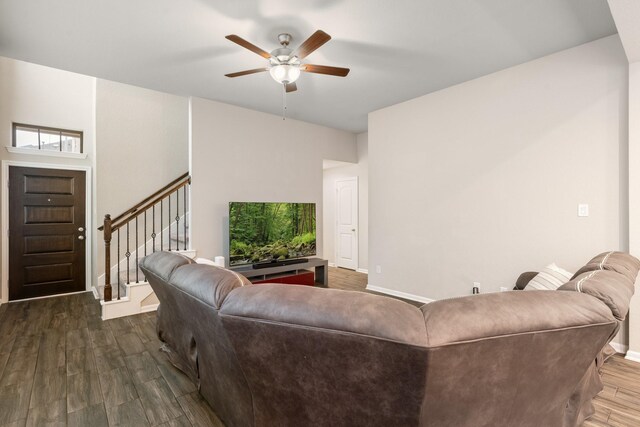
(279, 355)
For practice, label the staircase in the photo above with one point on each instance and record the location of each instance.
(158, 223)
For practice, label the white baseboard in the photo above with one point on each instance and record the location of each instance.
(620, 348)
(634, 356)
(148, 308)
(359, 270)
(399, 294)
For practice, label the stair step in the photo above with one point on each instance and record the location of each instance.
(114, 291)
(181, 243)
(132, 271)
(132, 276)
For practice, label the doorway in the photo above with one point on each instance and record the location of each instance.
(346, 242)
(47, 243)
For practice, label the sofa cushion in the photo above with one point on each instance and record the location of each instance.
(620, 262)
(208, 283)
(613, 289)
(550, 278)
(164, 263)
(524, 279)
(332, 309)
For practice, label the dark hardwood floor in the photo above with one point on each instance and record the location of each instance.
(349, 280)
(60, 364)
(619, 403)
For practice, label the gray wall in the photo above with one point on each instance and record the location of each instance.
(481, 181)
(142, 145)
(634, 197)
(363, 195)
(330, 176)
(244, 155)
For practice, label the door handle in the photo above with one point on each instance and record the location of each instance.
(80, 237)
(80, 229)
(353, 229)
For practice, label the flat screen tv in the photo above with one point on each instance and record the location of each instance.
(271, 232)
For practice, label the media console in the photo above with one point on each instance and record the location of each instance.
(264, 274)
(279, 263)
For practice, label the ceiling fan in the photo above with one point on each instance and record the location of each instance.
(285, 64)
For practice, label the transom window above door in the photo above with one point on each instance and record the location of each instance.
(47, 139)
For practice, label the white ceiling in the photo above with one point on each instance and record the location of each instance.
(397, 50)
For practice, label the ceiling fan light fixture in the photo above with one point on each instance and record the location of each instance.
(285, 73)
(285, 64)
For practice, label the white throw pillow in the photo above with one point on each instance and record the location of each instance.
(550, 278)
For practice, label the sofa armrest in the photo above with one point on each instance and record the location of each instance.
(524, 279)
(207, 283)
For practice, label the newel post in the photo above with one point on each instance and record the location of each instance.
(107, 257)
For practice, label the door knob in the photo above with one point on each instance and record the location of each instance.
(353, 229)
(80, 237)
(80, 229)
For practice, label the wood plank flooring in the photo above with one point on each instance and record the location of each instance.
(619, 403)
(349, 280)
(61, 365)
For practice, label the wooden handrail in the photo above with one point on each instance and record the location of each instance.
(142, 208)
(152, 199)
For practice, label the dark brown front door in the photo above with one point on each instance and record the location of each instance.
(46, 232)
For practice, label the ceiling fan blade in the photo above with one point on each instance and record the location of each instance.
(291, 87)
(245, 44)
(324, 69)
(316, 40)
(246, 72)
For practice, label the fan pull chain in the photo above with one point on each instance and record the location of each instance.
(284, 101)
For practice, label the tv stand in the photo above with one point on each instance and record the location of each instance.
(281, 263)
(321, 267)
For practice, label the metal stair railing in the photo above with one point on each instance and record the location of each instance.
(157, 206)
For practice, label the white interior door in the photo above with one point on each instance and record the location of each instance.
(347, 223)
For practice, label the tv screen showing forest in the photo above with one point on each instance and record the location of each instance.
(266, 232)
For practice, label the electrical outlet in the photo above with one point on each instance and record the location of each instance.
(476, 288)
(378, 269)
(503, 289)
(583, 209)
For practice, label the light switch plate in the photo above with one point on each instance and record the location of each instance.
(583, 209)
